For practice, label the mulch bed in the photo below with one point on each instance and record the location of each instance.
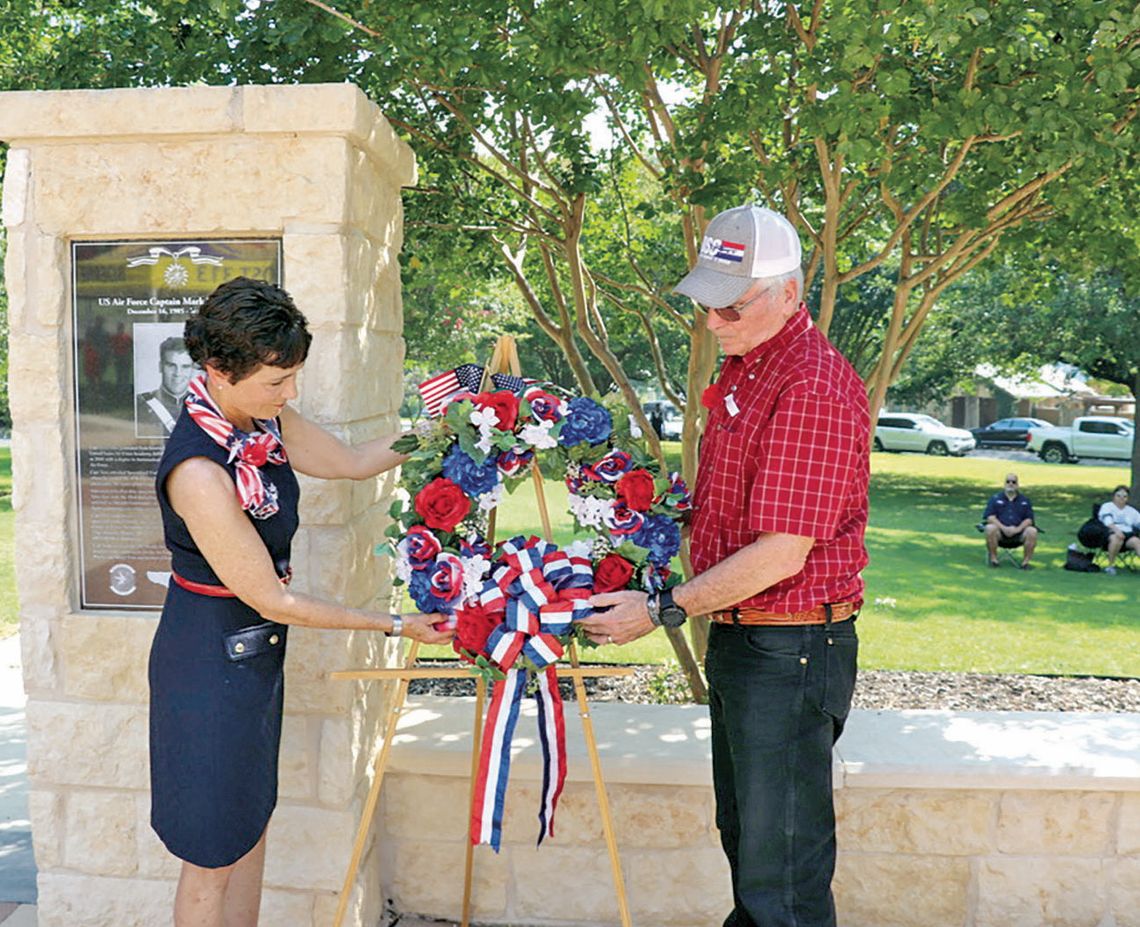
(876, 689)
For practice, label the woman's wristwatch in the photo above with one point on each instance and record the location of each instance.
(397, 626)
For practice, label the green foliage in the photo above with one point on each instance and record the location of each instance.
(667, 685)
(5, 411)
(905, 138)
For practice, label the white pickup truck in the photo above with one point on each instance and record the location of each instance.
(1092, 436)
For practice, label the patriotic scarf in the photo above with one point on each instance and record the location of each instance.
(248, 452)
(541, 591)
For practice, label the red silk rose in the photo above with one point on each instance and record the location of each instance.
(635, 489)
(505, 404)
(613, 572)
(442, 504)
(713, 394)
(473, 625)
(254, 452)
(421, 547)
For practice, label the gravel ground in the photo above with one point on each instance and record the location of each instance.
(878, 689)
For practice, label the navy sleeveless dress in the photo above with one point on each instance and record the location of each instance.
(215, 696)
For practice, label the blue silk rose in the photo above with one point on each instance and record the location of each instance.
(586, 421)
(473, 478)
(661, 536)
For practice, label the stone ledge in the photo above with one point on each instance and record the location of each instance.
(1084, 751)
(880, 749)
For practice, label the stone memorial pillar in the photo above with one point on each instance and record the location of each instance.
(128, 206)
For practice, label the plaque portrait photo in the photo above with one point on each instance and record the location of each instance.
(162, 373)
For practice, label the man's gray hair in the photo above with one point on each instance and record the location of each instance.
(777, 283)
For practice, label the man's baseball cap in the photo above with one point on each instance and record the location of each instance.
(739, 247)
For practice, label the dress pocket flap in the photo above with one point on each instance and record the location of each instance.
(254, 640)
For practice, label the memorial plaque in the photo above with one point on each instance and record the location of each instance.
(131, 300)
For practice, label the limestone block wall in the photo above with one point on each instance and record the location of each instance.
(320, 168)
(945, 820)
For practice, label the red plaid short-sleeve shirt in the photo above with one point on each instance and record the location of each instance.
(786, 450)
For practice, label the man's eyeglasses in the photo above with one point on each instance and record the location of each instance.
(732, 313)
(729, 313)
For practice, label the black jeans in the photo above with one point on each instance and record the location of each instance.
(778, 699)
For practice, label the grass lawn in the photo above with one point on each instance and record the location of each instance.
(932, 603)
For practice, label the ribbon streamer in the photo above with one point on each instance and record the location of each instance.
(541, 591)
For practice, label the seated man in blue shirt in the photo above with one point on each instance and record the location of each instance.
(1009, 522)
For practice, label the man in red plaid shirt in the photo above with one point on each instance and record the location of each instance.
(780, 509)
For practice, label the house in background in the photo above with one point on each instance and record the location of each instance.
(1057, 394)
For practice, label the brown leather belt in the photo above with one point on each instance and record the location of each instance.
(840, 611)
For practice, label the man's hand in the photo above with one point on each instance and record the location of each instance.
(625, 619)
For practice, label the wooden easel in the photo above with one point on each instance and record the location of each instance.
(505, 359)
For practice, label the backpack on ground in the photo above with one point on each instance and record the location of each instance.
(1079, 561)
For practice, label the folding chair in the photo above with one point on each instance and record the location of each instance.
(1092, 538)
(1005, 545)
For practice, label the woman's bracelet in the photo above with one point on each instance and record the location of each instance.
(397, 626)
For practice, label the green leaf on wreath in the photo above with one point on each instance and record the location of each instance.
(632, 553)
(405, 444)
(467, 440)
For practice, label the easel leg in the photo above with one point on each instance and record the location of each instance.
(476, 747)
(369, 810)
(600, 789)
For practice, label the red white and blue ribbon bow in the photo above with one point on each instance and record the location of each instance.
(248, 452)
(542, 591)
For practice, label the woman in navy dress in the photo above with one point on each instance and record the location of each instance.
(228, 499)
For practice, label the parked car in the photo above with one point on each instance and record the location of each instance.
(1007, 432)
(670, 422)
(1089, 436)
(913, 431)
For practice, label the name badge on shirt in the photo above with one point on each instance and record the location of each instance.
(730, 404)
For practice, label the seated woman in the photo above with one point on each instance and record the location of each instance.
(1123, 523)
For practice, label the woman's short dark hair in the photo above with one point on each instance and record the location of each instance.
(245, 323)
(1120, 487)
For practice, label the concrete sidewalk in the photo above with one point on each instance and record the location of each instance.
(17, 866)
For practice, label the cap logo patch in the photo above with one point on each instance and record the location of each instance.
(719, 249)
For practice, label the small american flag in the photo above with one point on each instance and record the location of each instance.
(512, 383)
(436, 390)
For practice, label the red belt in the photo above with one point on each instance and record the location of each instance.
(220, 592)
(840, 611)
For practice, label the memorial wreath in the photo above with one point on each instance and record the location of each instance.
(514, 605)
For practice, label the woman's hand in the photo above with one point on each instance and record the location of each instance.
(418, 627)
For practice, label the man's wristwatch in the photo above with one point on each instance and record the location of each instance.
(664, 612)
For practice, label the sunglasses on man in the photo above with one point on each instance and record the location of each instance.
(732, 313)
